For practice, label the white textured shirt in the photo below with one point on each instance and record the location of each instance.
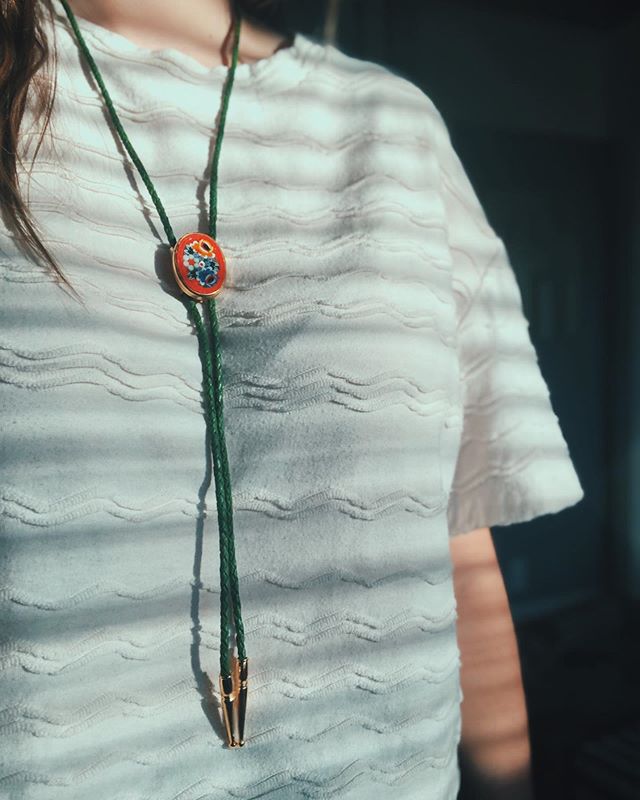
(381, 394)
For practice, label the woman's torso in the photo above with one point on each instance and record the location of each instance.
(341, 418)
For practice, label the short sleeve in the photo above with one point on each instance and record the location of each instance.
(513, 462)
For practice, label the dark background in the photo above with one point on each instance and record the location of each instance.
(541, 100)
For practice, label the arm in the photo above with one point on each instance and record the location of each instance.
(495, 754)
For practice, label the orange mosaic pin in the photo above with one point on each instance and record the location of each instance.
(199, 265)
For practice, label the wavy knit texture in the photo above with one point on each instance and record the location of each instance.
(381, 395)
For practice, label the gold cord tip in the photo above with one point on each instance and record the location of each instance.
(241, 669)
(228, 695)
(233, 691)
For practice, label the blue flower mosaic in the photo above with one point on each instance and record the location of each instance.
(202, 268)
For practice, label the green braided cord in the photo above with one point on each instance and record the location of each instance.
(226, 93)
(212, 321)
(213, 393)
(230, 539)
(228, 571)
(218, 453)
(118, 125)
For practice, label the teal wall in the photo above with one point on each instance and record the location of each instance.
(624, 129)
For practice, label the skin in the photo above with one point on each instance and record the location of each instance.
(495, 751)
(199, 28)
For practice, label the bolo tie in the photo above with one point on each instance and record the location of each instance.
(199, 268)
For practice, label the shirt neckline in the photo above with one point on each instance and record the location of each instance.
(287, 60)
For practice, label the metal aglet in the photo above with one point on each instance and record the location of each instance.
(241, 669)
(229, 695)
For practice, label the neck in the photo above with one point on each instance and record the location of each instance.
(200, 28)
